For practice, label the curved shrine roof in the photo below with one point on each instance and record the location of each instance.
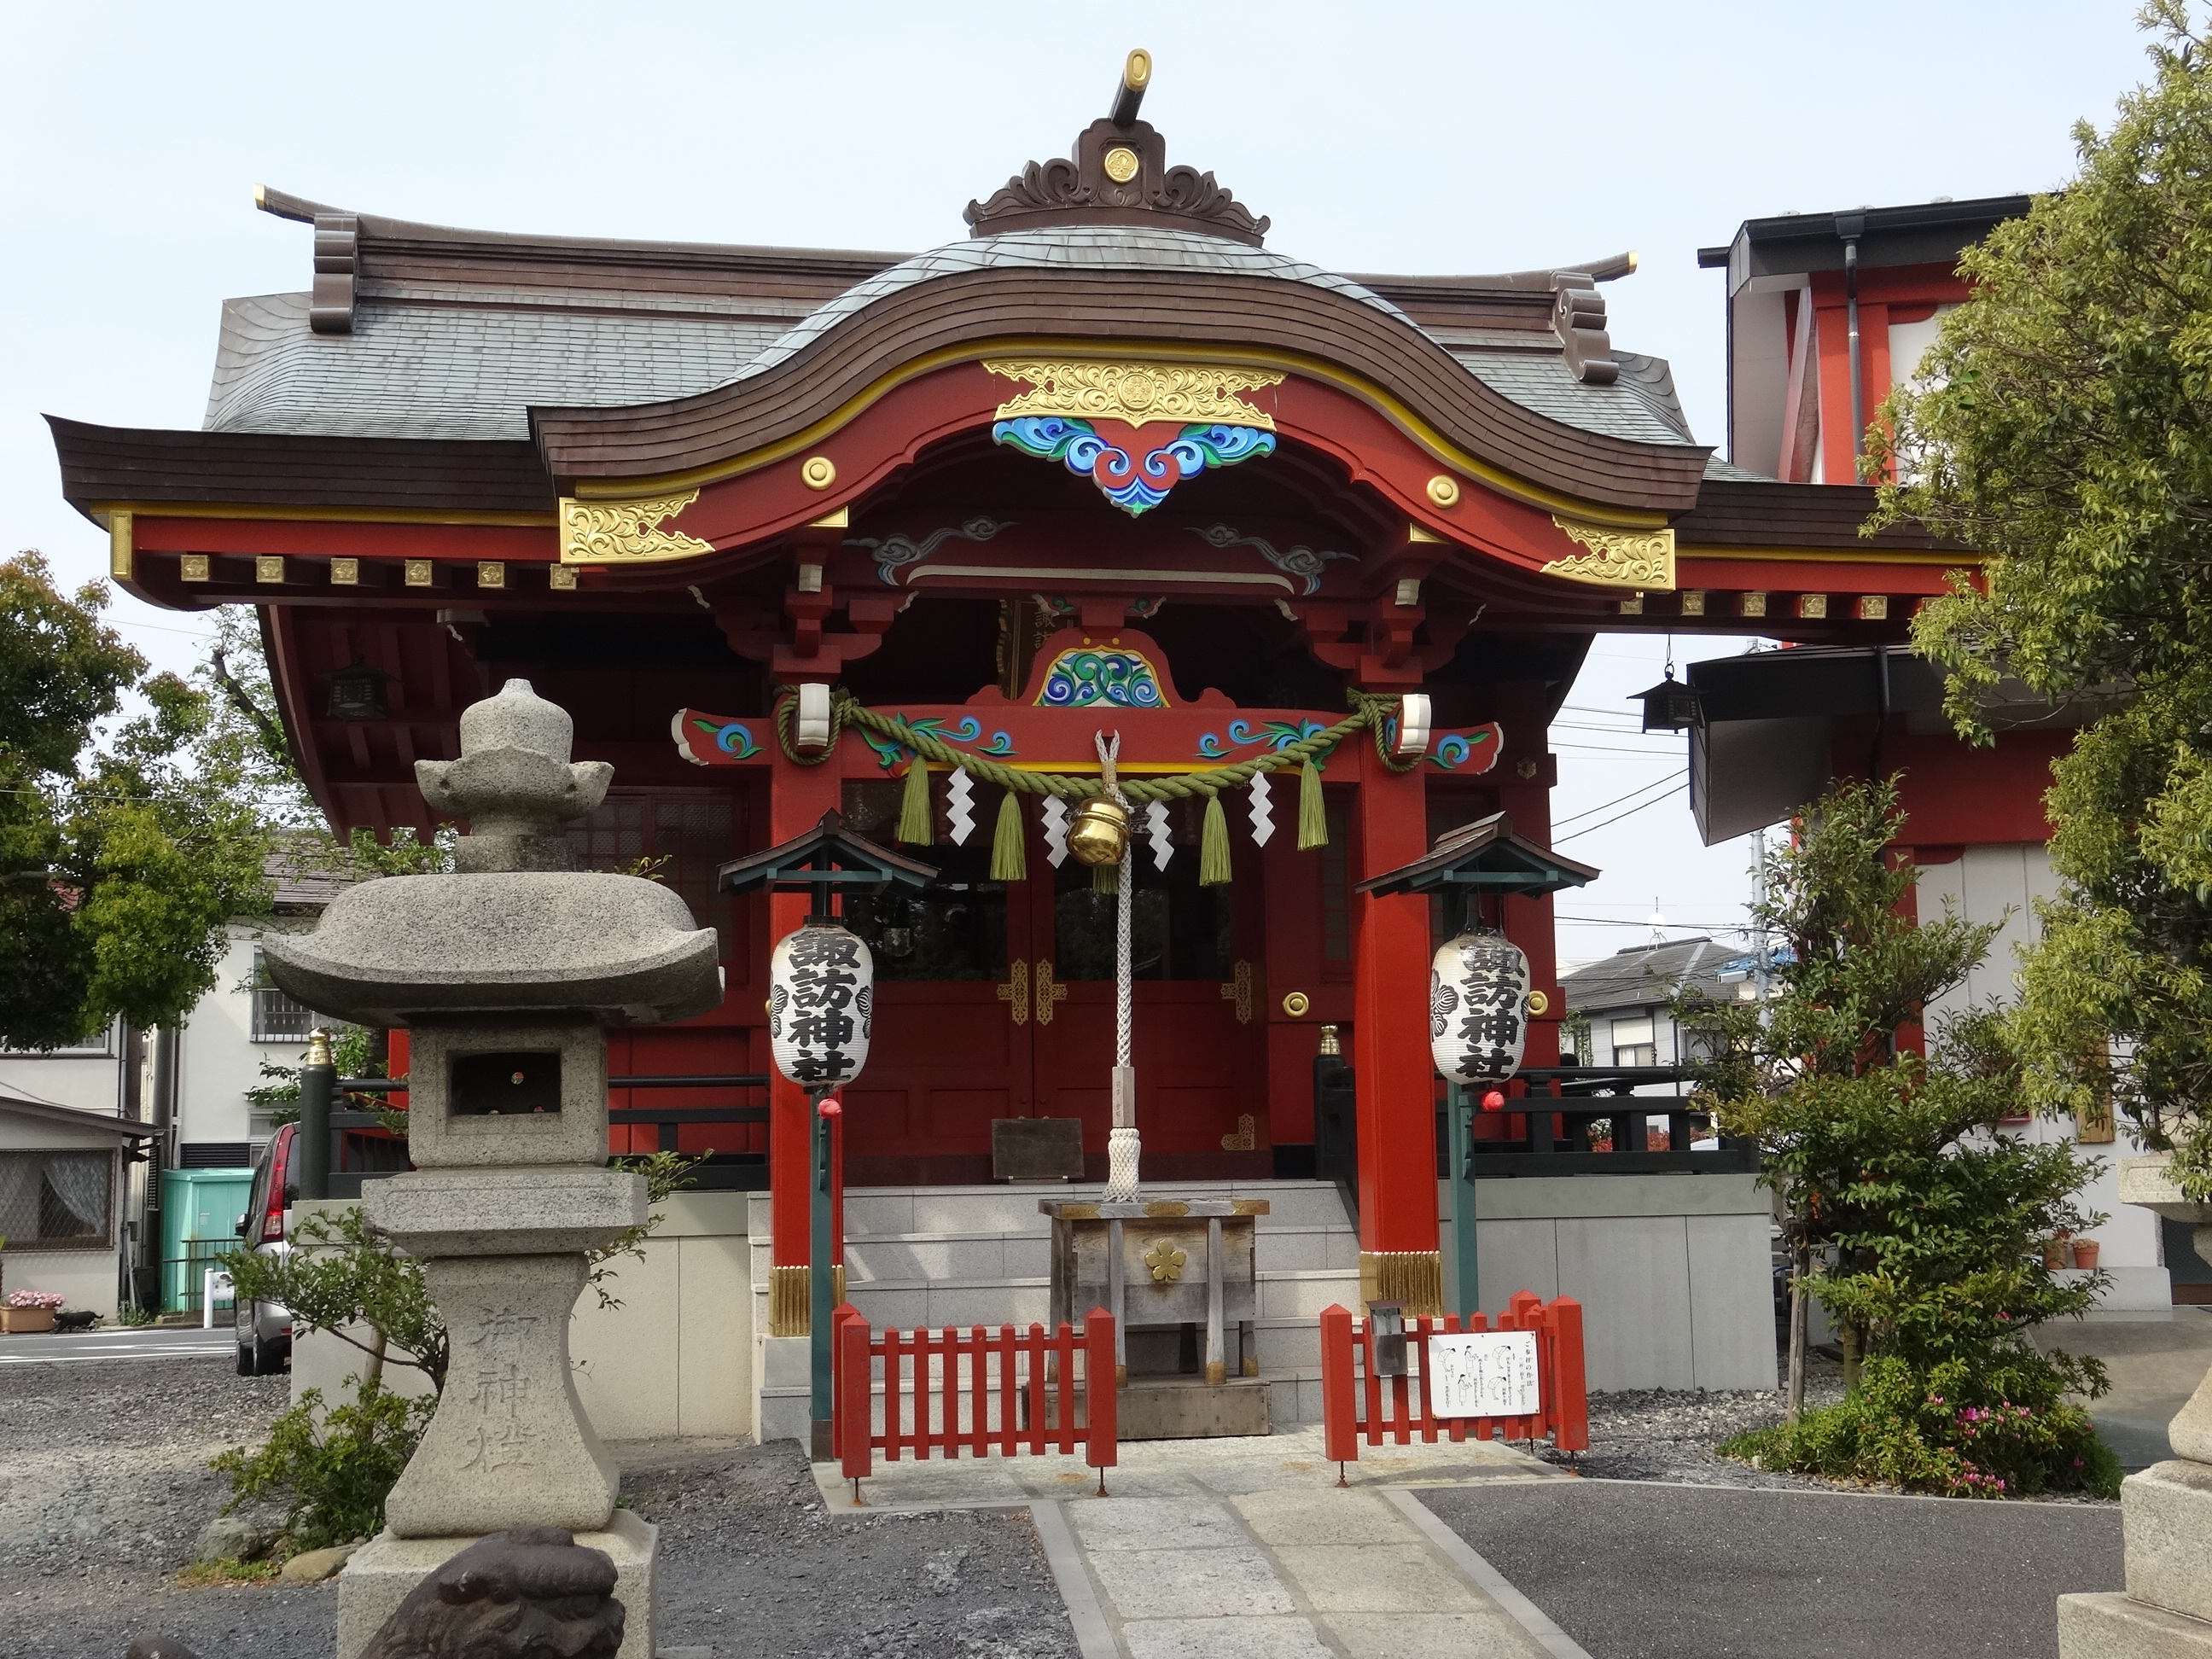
(445, 344)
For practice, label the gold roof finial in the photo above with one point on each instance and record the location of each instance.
(1328, 1043)
(318, 1048)
(1136, 76)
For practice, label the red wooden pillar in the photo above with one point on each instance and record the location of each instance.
(1399, 1258)
(797, 797)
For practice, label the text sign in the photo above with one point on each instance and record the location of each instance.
(1483, 1374)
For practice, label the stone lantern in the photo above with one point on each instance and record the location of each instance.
(506, 974)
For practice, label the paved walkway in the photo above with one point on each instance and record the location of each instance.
(2156, 1359)
(174, 1342)
(1247, 1549)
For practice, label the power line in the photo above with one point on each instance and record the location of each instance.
(1607, 805)
(1622, 921)
(1617, 817)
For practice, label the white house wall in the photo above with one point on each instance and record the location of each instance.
(218, 1059)
(2000, 883)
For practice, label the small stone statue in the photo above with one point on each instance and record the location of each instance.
(529, 1592)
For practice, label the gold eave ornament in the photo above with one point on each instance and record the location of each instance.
(1640, 559)
(626, 533)
(1137, 392)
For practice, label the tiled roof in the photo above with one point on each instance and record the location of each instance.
(432, 359)
(1641, 405)
(1645, 975)
(441, 371)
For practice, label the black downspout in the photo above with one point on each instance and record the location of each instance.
(1881, 711)
(1850, 227)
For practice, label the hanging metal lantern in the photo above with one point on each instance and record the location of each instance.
(357, 692)
(1100, 833)
(821, 999)
(1479, 1008)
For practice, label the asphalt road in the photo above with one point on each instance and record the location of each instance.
(1637, 1570)
(115, 1342)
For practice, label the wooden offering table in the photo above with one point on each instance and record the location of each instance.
(1161, 1266)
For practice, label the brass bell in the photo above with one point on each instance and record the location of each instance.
(1100, 833)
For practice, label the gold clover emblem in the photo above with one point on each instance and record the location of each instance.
(1165, 1260)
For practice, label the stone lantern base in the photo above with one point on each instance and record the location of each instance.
(382, 1572)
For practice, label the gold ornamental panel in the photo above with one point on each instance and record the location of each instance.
(626, 533)
(1642, 559)
(1136, 392)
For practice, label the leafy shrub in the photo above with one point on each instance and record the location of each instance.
(1958, 1434)
(333, 1477)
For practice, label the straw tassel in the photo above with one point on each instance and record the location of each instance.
(1009, 857)
(1105, 877)
(1313, 812)
(1213, 869)
(914, 826)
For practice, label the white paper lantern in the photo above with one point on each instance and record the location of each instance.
(1479, 1008)
(821, 998)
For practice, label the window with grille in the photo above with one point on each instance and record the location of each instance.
(277, 1018)
(694, 834)
(56, 1200)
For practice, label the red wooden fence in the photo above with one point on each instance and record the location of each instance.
(1013, 1383)
(1357, 1401)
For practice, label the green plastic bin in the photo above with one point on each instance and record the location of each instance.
(199, 1218)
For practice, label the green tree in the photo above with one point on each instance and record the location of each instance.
(1914, 1223)
(130, 826)
(2062, 428)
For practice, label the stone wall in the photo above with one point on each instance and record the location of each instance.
(1674, 1271)
(675, 1359)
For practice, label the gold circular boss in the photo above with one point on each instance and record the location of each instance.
(817, 471)
(1443, 489)
(1121, 164)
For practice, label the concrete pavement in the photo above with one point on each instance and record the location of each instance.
(1638, 1570)
(1247, 1548)
(2155, 1358)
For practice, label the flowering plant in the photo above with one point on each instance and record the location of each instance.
(35, 1299)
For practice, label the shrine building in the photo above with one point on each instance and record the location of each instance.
(1106, 461)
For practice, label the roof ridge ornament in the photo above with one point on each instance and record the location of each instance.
(1117, 174)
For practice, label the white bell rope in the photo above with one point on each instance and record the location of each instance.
(1122, 1143)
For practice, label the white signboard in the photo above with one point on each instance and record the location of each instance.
(1483, 1374)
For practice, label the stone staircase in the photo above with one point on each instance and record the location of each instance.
(980, 1255)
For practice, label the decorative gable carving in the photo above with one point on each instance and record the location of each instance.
(1117, 174)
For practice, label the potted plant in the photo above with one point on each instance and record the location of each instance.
(2086, 1251)
(2057, 1251)
(29, 1310)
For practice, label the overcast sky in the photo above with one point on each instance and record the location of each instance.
(1381, 138)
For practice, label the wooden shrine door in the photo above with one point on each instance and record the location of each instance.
(1200, 1077)
(996, 1000)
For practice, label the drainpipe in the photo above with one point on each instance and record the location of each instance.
(1850, 227)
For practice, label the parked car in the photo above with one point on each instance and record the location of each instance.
(264, 1329)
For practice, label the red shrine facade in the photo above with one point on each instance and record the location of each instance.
(1108, 463)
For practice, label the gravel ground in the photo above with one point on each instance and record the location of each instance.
(748, 1548)
(104, 1486)
(1670, 1434)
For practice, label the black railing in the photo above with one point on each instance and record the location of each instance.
(1544, 1099)
(1336, 1129)
(730, 1169)
(357, 1155)
(1548, 1099)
